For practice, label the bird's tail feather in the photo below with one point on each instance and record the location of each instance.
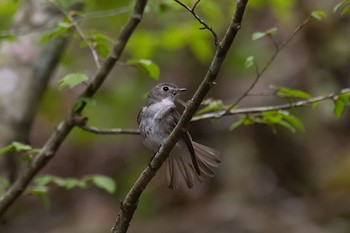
(180, 167)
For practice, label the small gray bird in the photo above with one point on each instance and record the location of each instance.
(188, 159)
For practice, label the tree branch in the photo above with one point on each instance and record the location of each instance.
(63, 129)
(220, 114)
(301, 103)
(271, 60)
(201, 21)
(114, 131)
(82, 35)
(129, 205)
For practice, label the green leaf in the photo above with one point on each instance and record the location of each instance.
(18, 146)
(287, 92)
(340, 5)
(212, 106)
(271, 117)
(84, 100)
(319, 15)
(38, 190)
(6, 149)
(346, 10)
(249, 62)
(104, 182)
(236, 124)
(293, 120)
(101, 42)
(71, 80)
(284, 119)
(60, 30)
(286, 125)
(10, 37)
(258, 35)
(43, 180)
(271, 31)
(149, 66)
(70, 183)
(41, 193)
(340, 103)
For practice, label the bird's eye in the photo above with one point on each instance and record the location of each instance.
(165, 88)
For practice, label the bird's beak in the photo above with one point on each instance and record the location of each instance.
(181, 89)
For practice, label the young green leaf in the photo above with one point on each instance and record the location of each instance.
(340, 5)
(258, 35)
(41, 193)
(6, 149)
(43, 180)
(271, 117)
(101, 42)
(18, 146)
(38, 190)
(212, 106)
(70, 183)
(293, 120)
(149, 66)
(71, 80)
(345, 11)
(287, 92)
(60, 30)
(249, 62)
(236, 124)
(286, 125)
(104, 182)
(84, 100)
(271, 31)
(319, 15)
(340, 103)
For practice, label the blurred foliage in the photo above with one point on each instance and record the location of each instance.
(7, 10)
(169, 46)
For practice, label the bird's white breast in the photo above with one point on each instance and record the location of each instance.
(153, 124)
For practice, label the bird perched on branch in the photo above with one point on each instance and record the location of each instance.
(188, 161)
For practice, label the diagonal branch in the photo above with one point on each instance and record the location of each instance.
(199, 19)
(64, 128)
(129, 205)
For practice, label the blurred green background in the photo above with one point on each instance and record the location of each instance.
(267, 182)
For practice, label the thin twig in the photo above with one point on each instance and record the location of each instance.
(103, 14)
(201, 21)
(129, 204)
(272, 59)
(51, 146)
(239, 111)
(114, 131)
(81, 34)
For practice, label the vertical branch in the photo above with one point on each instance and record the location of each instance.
(129, 205)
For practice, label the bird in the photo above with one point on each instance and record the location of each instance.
(189, 161)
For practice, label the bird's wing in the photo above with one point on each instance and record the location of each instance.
(186, 137)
